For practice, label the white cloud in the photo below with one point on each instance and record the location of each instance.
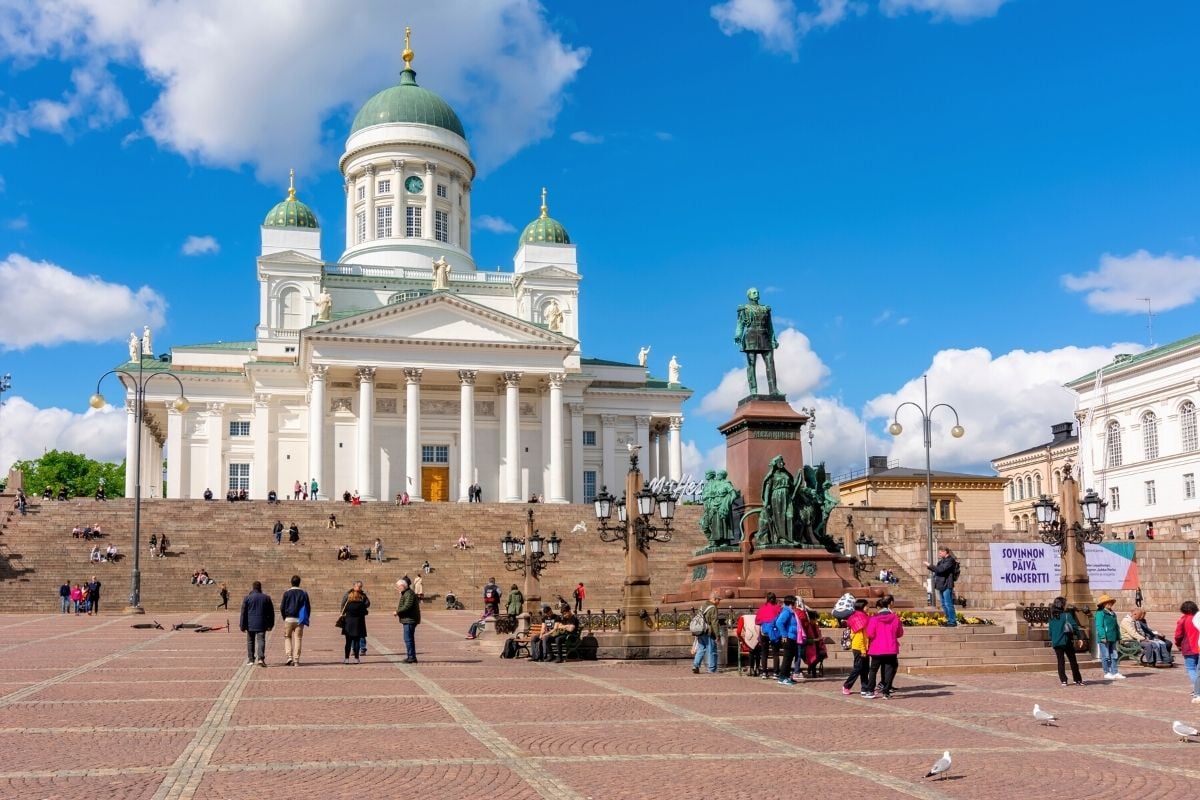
(958, 10)
(494, 224)
(696, 463)
(583, 137)
(200, 245)
(255, 82)
(19, 223)
(664, 136)
(773, 21)
(27, 431)
(798, 368)
(1006, 403)
(1122, 283)
(47, 305)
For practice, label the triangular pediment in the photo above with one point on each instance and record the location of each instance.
(553, 273)
(441, 318)
(289, 257)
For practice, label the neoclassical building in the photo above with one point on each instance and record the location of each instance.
(402, 366)
(1035, 471)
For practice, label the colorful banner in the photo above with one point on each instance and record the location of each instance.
(1021, 567)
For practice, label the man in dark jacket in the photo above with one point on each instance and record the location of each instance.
(943, 582)
(64, 594)
(277, 531)
(94, 595)
(258, 617)
(408, 610)
(295, 609)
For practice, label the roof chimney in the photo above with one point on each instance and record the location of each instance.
(1061, 431)
(877, 464)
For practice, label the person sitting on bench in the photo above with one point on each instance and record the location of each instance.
(1156, 650)
(565, 632)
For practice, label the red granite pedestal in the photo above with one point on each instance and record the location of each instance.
(762, 427)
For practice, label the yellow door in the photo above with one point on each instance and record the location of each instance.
(435, 484)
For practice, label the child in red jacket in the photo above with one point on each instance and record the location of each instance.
(1187, 639)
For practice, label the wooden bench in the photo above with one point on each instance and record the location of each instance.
(524, 639)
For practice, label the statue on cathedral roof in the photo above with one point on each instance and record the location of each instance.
(441, 274)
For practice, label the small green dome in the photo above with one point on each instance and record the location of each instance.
(291, 213)
(407, 102)
(545, 229)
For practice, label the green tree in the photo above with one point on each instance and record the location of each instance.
(80, 474)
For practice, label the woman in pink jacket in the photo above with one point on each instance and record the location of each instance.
(883, 636)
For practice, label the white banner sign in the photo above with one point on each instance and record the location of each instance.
(1019, 567)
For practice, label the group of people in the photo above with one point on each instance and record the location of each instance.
(293, 532)
(86, 532)
(99, 556)
(82, 598)
(303, 491)
(781, 639)
(49, 494)
(200, 578)
(352, 498)
(158, 545)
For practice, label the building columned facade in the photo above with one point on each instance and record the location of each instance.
(1035, 471)
(401, 367)
(1138, 438)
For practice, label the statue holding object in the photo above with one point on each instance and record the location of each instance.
(777, 519)
(719, 498)
(755, 335)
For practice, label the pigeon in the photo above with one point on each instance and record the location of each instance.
(1044, 717)
(1184, 731)
(941, 767)
(580, 527)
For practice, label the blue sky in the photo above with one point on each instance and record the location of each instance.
(979, 190)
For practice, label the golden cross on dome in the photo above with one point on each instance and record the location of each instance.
(544, 214)
(291, 184)
(407, 55)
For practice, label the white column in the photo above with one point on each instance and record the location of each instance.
(466, 227)
(130, 447)
(512, 437)
(455, 180)
(556, 437)
(576, 410)
(664, 454)
(466, 432)
(430, 194)
(398, 212)
(652, 458)
(351, 199)
(216, 478)
(260, 432)
(371, 184)
(316, 428)
(676, 444)
(412, 433)
(608, 448)
(366, 421)
(641, 428)
(176, 457)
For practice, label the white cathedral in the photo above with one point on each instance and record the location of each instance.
(401, 367)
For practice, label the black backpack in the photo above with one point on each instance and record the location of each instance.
(957, 573)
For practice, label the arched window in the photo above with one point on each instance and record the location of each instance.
(1025, 522)
(1187, 426)
(1016, 522)
(291, 310)
(1020, 489)
(1012, 491)
(1149, 435)
(1037, 485)
(1057, 481)
(1029, 487)
(1112, 443)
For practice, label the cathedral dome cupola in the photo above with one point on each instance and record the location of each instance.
(291, 213)
(544, 229)
(407, 102)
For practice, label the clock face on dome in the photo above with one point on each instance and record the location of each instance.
(414, 184)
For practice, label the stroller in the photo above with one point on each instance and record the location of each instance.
(452, 603)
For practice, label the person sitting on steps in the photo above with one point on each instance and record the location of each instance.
(343, 553)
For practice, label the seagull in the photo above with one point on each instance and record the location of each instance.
(1044, 717)
(941, 767)
(580, 527)
(1184, 731)
(631, 447)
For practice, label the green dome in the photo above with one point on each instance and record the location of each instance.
(291, 213)
(407, 102)
(545, 229)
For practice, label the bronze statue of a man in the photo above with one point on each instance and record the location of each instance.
(755, 335)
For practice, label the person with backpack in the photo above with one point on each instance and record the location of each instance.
(945, 573)
(1064, 630)
(295, 609)
(857, 625)
(788, 625)
(706, 641)
(491, 597)
(768, 636)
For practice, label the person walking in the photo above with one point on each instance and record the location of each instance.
(64, 596)
(354, 626)
(277, 531)
(788, 625)
(93, 589)
(408, 611)
(1187, 639)
(945, 573)
(1064, 630)
(293, 534)
(1108, 636)
(857, 623)
(579, 594)
(224, 596)
(312, 489)
(379, 551)
(76, 597)
(418, 585)
(295, 609)
(257, 617)
(768, 635)
(514, 604)
(883, 646)
(358, 587)
(706, 643)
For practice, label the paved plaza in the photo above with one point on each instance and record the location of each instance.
(91, 708)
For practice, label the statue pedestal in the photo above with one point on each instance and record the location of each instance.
(816, 576)
(762, 427)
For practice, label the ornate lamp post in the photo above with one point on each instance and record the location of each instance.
(811, 413)
(895, 429)
(139, 380)
(866, 548)
(5, 385)
(639, 530)
(529, 556)
(1059, 525)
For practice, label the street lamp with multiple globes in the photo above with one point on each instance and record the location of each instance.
(895, 429)
(866, 548)
(1059, 525)
(139, 380)
(530, 556)
(639, 530)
